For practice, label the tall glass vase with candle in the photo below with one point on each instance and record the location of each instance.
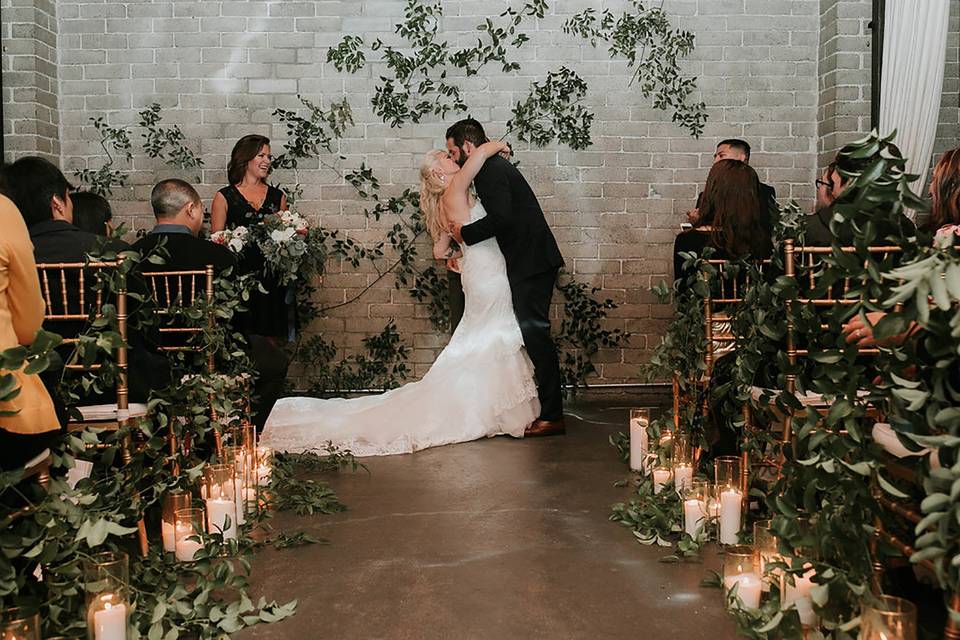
(221, 499)
(766, 551)
(888, 618)
(172, 502)
(726, 471)
(188, 533)
(682, 463)
(696, 498)
(264, 466)
(106, 581)
(242, 481)
(19, 624)
(639, 439)
(739, 572)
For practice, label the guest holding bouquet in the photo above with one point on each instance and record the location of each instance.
(245, 202)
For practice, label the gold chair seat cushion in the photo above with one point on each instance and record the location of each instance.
(109, 412)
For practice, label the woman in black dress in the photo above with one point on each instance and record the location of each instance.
(245, 202)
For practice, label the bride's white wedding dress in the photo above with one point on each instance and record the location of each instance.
(481, 384)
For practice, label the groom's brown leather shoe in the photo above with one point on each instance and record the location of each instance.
(541, 428)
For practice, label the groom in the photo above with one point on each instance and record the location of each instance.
(533, 259)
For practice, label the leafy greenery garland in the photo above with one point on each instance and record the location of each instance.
(825, 502)
(54, 531)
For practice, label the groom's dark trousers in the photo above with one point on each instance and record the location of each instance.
(533, 259)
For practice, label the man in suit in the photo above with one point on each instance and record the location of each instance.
(179, 213)
(532, 258)
(736, 149)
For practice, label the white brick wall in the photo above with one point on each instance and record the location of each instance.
(221, 68)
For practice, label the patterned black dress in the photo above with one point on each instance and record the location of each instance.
(273, 313)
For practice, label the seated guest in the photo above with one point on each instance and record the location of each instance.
(731, 218)
(179, 214)
(42, 193)
(32, 423)
(735, 149)
(944, 222)
(92, 213)
(731, 222)
(831, 187)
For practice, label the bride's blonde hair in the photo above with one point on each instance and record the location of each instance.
(431, 189)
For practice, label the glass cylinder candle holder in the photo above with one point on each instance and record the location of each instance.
(739, 572)
(796, 591)
(188, 532)
(19, 624)
(173, 501)
(696, 498)
(726, 473)
(888, 618)
(766, 551)
(264, 466)
(243, 473)
(106, 580)
(639, 439)
(221, 499)
(662, 476)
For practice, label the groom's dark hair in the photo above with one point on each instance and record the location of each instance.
(467, 129)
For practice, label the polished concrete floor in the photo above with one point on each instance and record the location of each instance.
(500, 538)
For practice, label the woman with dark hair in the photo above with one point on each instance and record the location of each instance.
(945, 195)
(92, 213)
(731, 218)
(245, 202)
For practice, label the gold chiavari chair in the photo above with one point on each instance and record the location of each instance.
(72, 299)
(805, 264)
(727, 283)
(171, 292)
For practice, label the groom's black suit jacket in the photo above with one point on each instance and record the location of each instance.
(514, 217)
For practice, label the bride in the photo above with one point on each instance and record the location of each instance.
(481, 384)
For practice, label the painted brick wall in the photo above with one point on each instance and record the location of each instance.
(844, 74)
(29, 65)
(220, 68)
(948, 129)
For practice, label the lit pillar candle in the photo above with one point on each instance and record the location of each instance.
(639, 444)
(693, 516)
(169, 539)
(798, 595)
(682, 476)
(660, 479)
(110, 623)
(185, 548)
(218, 510)
(730, 504)
(239, 495)
(748, 586)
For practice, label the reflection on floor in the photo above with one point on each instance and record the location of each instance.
(500, 538)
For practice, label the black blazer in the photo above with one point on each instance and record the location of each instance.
(515, 218)
(184, 252)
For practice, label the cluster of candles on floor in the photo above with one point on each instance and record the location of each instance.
(229, 492)
(751, 570)
(672, 461)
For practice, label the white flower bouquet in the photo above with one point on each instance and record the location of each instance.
(233, 239)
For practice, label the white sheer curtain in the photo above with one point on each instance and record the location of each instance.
(914, 54)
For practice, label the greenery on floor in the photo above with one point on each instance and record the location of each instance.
(831, 481)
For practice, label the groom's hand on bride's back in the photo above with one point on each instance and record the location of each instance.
(454, 230)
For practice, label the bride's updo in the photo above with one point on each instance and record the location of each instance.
(431, 189)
